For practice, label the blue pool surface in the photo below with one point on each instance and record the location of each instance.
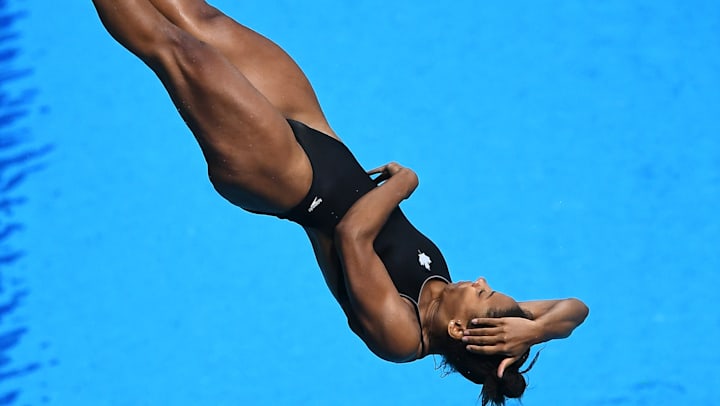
(564, 149)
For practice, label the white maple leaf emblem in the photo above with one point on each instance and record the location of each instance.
(424, 260)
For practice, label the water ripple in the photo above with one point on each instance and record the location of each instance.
(18, 160)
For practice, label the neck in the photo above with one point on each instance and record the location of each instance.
(428, 305)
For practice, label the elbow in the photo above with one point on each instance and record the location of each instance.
(581, 309)
(351, 233)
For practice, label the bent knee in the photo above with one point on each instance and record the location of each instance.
(152, 46)
(174, 49)
(192, 16)
(201, 12)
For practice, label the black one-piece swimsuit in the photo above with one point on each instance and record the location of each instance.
(338, 182)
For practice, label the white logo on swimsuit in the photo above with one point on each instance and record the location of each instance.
(315, 203)
(424, 260)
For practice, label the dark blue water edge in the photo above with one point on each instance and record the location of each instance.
(19, 158)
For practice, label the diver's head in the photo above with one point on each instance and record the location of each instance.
(458, 304)
(463, 301)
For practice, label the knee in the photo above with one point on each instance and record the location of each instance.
(163, 45)
(204, 12)
(192, 16)
(206, 18)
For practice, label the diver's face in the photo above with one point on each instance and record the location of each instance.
(466, 300)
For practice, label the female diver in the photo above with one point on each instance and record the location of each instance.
(270, 150)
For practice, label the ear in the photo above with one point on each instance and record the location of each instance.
(455, 329)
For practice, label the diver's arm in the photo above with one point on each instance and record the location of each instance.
(368, 215)
(556, 318)
(387, 323)
(551, 319)
(513, 336)
(384, 317)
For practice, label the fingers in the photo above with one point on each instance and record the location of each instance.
(391, 168)
(504, 364)
(485, 349)
(385, 172)
(381, 178)
(484, 331)
(379, 169)
(487, 321)
(485, 336)
(484, 340)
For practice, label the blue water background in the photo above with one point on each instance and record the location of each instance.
(563, 149)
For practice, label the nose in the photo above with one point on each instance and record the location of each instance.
(480, 282)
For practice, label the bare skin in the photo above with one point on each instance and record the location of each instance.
(252, 156)
(445, 309)
(235, 89)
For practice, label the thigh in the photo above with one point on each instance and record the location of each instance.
(266, 66)
(253, 158)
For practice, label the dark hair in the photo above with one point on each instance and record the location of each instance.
(482, 369)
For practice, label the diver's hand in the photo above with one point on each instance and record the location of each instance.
(508, 336)
(402, 174)
(386, 171)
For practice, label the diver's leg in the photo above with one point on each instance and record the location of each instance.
(270, 69)
(253, 158)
